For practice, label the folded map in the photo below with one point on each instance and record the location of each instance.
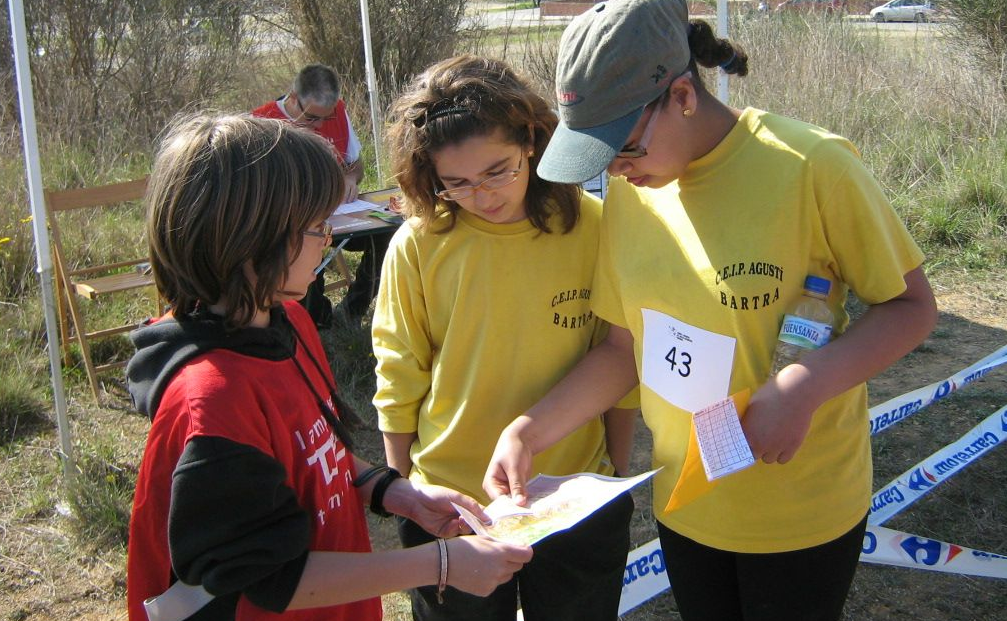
(554, 504)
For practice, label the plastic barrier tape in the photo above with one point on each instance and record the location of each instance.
(884, 415)
(924, 476)
(646, 576)
(891, 547)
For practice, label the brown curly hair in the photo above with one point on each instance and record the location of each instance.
(459, 98)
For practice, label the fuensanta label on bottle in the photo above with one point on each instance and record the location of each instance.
(804, 332)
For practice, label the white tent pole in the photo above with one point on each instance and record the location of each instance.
(372, 87)
(722, 93)
(33, 170)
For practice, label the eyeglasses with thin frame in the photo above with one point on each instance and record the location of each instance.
(640, 150)
(311, 118)
(329, 252)
(325, 233)
(489, 184)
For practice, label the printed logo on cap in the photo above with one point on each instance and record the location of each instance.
(570, 98)
(660, 73)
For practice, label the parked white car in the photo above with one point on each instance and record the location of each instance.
(904, 11)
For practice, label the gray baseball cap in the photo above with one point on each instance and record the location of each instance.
(614, 59)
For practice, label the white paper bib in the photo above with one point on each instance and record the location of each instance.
(687, 366)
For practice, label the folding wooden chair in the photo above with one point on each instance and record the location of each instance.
(343, 278)
(83, 279)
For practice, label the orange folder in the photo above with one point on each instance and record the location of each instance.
(692, 482)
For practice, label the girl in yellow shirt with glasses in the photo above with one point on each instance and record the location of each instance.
(484, 305)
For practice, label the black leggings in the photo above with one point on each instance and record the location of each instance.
(803, 585)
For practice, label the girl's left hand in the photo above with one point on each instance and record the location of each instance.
(430, 507)
(779, 415)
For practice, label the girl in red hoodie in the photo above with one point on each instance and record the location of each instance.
(249, 501)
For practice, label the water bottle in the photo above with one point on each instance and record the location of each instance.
(807, 326)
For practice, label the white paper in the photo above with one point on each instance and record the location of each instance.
(687, 366)
(554, 504)
(356, 206)
(722, 443)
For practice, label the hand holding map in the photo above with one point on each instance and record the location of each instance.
(554, 504)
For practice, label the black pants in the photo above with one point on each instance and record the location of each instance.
(575, 575)
(803, 585)
(363, 289)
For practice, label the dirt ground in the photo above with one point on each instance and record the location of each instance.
(44, 577)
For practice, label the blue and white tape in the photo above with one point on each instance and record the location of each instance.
(924, 476)
(646, 574)
(885, 546)
(884, 415)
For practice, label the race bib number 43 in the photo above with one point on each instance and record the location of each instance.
(687, 366)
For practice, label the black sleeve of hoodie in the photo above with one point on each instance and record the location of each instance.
(234, 525)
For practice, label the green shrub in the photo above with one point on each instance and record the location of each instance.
(980, 26)
(17, 254)
(107, 74)
(988, 201)
(948, 226)
(406, 36)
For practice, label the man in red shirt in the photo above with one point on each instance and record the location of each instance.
(314, 101)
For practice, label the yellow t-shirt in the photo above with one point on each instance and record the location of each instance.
(474, 326)
(726, 250)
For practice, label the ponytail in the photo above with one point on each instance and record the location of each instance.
(709, 51)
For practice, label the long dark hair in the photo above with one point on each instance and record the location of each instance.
(709, 51)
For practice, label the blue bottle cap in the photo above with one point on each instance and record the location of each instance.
(816, 284)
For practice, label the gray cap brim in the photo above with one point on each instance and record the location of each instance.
(576, 155)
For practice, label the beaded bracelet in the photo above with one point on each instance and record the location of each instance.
(442, 580)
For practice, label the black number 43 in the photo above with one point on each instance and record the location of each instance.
(679, 359)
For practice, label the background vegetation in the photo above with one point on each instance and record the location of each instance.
(406, 35)
(926, 106)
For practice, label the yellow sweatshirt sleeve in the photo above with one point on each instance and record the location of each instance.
(401, 339)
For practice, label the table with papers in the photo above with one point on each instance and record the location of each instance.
(368, 215)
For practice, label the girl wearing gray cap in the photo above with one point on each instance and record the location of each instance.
(713, 220)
